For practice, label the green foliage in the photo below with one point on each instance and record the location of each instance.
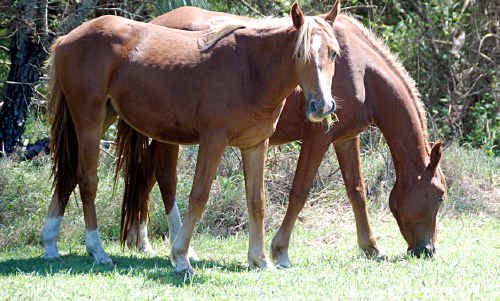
(36, 125)
(449, 48)
(4, 58)
(164, 6)
(485, 131)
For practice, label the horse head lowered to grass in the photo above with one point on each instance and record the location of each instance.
(216, 88)
(375, 89)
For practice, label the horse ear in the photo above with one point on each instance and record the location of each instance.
(332, 15)
(297, 15)
(436, 153)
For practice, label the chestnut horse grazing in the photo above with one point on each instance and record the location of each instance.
(375, 89)
(217, 88)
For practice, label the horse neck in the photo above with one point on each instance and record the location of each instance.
(272, 63)
(396, 115)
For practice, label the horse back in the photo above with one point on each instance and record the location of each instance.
(97, 49)
(124, 38)
(195, 18)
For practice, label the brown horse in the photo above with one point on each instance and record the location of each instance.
(217, 88)
(375, 89)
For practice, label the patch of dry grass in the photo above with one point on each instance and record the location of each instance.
(25, 192)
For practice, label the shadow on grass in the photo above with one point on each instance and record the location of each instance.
(156, 268)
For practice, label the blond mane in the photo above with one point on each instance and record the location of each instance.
(302, 49)
(393, 61)
(212, 36)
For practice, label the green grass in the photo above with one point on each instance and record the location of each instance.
(327, 266)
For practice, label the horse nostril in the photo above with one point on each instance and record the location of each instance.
(314, 106)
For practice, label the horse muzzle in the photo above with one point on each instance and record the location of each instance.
(422, 252)
(317, 110)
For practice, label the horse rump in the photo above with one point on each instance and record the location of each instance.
(63, 142)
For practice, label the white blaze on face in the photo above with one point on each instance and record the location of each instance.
(324, 88)
(316, 44)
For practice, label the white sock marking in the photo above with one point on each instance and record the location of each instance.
(49, 236)
(94, 247)
(174, 223)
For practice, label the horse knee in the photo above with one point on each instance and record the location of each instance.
(88, 187)
(298, 199)
(197, 204)
(357, 196)
(257, 208)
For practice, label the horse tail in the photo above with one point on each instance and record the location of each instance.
(63, 143)
(134, 158)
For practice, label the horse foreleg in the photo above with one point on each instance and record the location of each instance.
(313, 149)
(165, 157)
(349, 161)
(209, 155)
(253, 165)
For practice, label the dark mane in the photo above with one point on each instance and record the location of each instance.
(393, 61)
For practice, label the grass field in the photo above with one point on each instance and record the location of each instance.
(327, 264)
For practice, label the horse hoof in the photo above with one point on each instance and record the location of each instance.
(381, 257)
(110, 262)
(185, 272)
(102, 258)
(103, 261)
(280, 258)
(281, 266)
(282, 262)
(148, 250)
(49, 256)
(260, 264)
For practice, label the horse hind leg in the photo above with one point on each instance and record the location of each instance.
(165, 156)
(65, 159)
(89, 116)
(53, 222)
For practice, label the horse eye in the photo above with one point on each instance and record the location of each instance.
(332, 54)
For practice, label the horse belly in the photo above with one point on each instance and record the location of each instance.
(158, 121)
(252, 135)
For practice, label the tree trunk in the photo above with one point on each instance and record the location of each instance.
(26, 56)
